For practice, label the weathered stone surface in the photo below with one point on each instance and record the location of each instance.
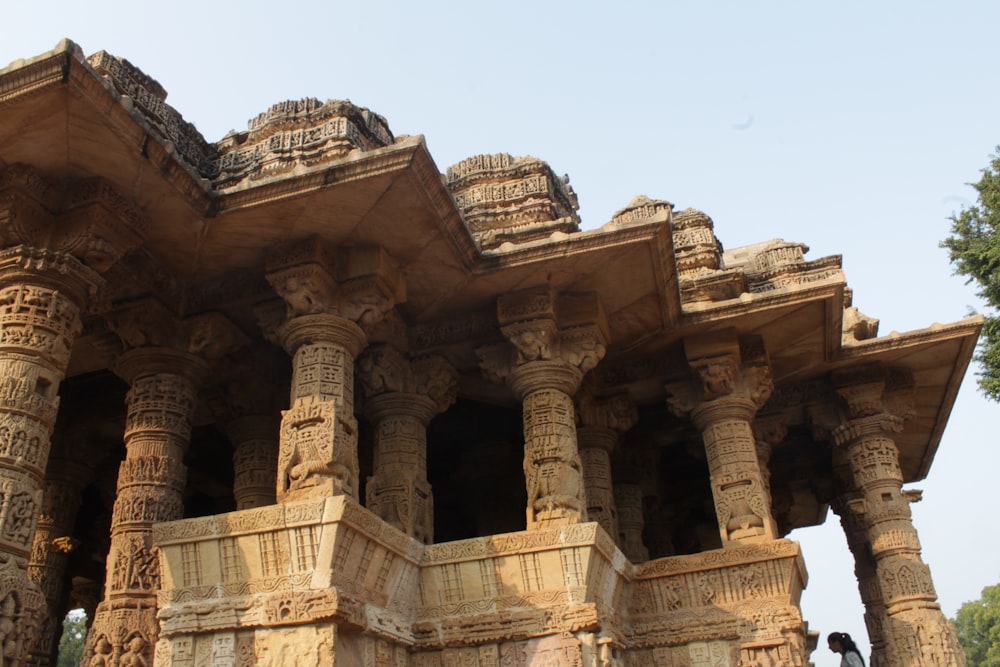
(574, 447)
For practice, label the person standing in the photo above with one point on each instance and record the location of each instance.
(841, 642)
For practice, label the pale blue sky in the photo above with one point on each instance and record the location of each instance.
(851, 126)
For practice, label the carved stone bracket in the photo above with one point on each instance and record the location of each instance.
(86, 219)
(359, 284)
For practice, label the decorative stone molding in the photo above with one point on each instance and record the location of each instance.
(148, 98)
(698, 256)
(508, 199)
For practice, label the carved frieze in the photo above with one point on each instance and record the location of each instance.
(149, 98)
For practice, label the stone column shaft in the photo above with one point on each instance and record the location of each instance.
(50, 553)
(255, 460)
(552, 465)
(631, 521)
(41, 296)
(160, 406)
(318, 451)
(914, 630)
(602, 421)
(398, 491)
(742, 505)
(595, 445)
(867, 575)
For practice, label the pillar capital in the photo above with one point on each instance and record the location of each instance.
(722, 366)
(57, 271)
(724, 408)
(322, 328)
(360, 284)
(873, 389)
(543, 330)
(538, 375)
(147, 323)
(142, 362)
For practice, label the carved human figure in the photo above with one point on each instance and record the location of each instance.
(102, 653)
(8, 641)
(134, 655)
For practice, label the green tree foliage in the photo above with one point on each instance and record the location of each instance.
(977, 624)
(974, 249)
(71, 642)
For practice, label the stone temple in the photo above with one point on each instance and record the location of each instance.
(297, 398)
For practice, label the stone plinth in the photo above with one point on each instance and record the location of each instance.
(277, 582)
(327, 582)
(686, 609)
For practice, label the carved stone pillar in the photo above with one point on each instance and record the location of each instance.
(631, 521)
(866, 573)
(602, 421)
(64, 483)
(41, 296)
(732, 381)
(255, 459)
(544, 367)
(915, 630)
(331, 302)
(245, 405)
(402, 398)
(160, 405)
(768, 432)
